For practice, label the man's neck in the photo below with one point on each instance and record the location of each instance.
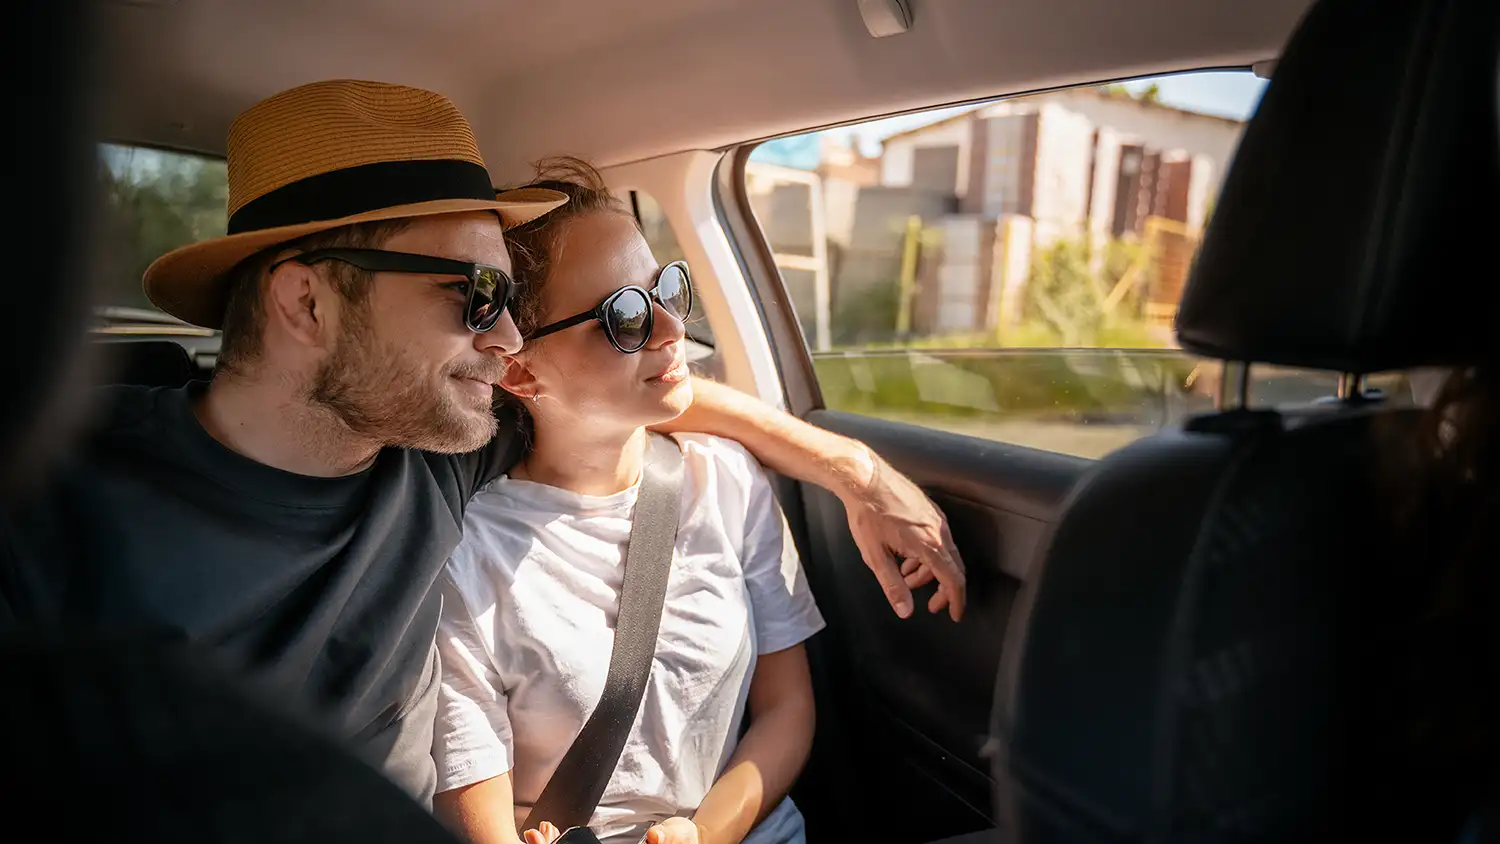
(582, 461)
(270, 424)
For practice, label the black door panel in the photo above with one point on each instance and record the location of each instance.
(1009, 477)
(907, 703)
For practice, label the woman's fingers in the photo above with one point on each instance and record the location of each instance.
(546, 833)
(673, 831)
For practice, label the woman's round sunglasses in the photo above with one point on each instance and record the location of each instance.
(627, 315)
(488, 291)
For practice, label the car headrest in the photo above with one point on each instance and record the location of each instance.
(1353, 229)
(150, 363)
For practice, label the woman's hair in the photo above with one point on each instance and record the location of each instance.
(1458, 435)
(1437, 677)
(534, 245)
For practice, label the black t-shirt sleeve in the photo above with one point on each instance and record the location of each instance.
(403, 749)
(478, 468)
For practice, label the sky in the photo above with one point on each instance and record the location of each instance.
(1233, 94)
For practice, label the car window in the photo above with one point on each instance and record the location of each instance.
(1011, 270)
(702, 357)
(154, 201)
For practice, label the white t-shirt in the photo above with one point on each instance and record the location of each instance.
(529, 606)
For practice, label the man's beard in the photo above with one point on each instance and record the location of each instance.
(379, 394)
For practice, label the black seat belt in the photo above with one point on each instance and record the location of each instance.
(571, 795)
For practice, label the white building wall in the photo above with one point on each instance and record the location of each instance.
(960, 274)
(1106, 183)
(1202, 190)
(898, 154)
(1162, 128)
(1064, 155)
(1006, 163)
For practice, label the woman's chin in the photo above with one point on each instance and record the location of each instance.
(672, 403)
(680, 398)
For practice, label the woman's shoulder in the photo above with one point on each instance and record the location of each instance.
(498, 525)
(719, 456)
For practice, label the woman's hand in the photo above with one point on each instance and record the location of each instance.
(673, 831)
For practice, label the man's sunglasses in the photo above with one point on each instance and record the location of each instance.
(627, 315)
(489, 288)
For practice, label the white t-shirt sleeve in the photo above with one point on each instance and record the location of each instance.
(472, 741)
(783, 606)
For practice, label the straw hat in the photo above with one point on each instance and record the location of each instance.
(330, 154)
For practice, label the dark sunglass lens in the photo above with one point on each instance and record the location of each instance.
(486, 300)
(629, 320)
(674, 291)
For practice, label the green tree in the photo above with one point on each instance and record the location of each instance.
(1121, 257)
(1061, 293)
(1075, 292)
(154, 202)
(868, 317)
(1150, 94)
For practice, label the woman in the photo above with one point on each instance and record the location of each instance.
(1428, 703)
(531, 594)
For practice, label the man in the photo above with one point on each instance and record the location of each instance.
(293, 513)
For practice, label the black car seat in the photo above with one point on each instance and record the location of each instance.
(166, 746)
(1188, 662)
(47, 281)
(149, 363)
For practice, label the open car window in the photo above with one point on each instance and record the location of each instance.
(1011, 270)
(154, 201)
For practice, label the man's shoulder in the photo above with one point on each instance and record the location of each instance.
(476, 468)
(127, 410)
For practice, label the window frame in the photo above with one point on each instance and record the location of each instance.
(791, 354)
(709, 342)
(790, 349)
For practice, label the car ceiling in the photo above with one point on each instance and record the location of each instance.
(619, 82)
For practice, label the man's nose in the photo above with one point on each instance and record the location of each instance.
(504, 338)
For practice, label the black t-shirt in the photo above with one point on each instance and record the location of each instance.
(317, 584)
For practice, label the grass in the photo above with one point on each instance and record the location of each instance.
(1086, 386)
(1085, 402)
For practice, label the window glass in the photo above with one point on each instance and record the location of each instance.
(665, 247)
(1012, 269)
(1285, 386)
(155, 201)
(1084, 402)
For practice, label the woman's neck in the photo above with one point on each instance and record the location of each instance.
(600, 462)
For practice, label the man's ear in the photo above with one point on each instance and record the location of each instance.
(300, 303)
(519, 379)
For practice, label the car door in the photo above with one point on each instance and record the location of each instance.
(985, 299)
(904, 705)
(983, 295)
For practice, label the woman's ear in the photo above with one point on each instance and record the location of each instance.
(519, 379)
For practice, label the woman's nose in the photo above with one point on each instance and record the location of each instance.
(666, 327)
